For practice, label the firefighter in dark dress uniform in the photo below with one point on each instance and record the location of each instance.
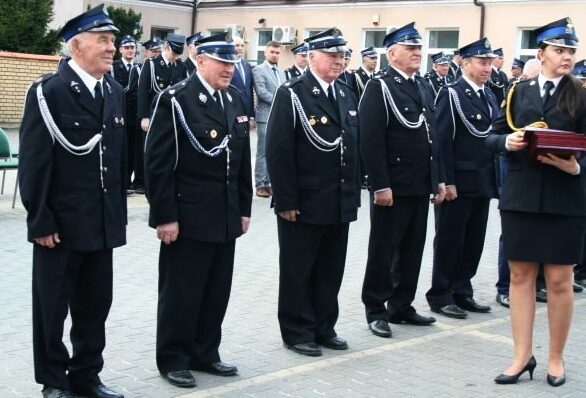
(191, 42)
(438, 76)
(301, 62)
(73, 185)
(498, 81)
(366, 70)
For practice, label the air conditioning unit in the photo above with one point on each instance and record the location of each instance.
(285, 34)
(236, 30)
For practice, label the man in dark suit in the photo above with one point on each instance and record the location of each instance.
(72, 178)
(366, 70)
(455, 72)
(192, 42)
(199, 185)
(401, 155)
(121, 67)
(312, 156)
(438, 76)
(242, 79)
(159, 73)
(498, 81)
(300, 65)
(465, 112)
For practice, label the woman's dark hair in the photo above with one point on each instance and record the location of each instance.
(570, 97)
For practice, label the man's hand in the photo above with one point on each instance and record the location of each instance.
(144, 124)
(168, 233)
(570, 165)
(251, 124)
(49, 241)
(440, 195)
(289, 215)
(451, 193)
(515, 141)
(384, 197)
(245, 221)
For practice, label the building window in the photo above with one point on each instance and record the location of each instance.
(160, 32)
(263, 36)
(440, 40)
(312, 32)
(527, 44)
(375, 38)
(212, 32)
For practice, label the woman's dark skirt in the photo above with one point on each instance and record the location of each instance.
(543, 238)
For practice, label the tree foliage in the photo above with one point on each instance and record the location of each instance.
(24, 27)
(127, 21)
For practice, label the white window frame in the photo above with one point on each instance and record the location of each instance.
(258, 48)
(434, 50)
(381, 51)
(524, 52)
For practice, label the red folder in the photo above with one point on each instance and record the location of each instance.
(558, 142)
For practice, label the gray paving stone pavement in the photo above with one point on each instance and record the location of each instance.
(453, 358)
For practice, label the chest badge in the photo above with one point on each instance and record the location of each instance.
(312, 120)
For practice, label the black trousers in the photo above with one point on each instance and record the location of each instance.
(139, 158)
(311, 264)
(81, 282)
(395, 250)
(131, 136)
(195, 279)
(459, 245)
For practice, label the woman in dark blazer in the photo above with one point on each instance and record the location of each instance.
(543, 202)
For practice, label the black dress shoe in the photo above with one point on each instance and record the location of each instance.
(180, 378)
(503, 299)
(556, 381)
(310, 349)
(469, 304)
(96, 391)
(451, 311)
(512, 379)
(577, 288)
(541, 296)
(52, 392)
(219, 368)
(380, 328)
(334, 343)
(412, 318)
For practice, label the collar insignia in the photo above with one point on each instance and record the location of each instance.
(202, 98)
(315, 91)
(398, 79)
(229, 97)
(342, 94)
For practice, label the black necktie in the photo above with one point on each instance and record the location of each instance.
(547, 86)
(99, 98)
(128, 67)
(484, 100)
(218, 99)
(331, 96)
(276, 75)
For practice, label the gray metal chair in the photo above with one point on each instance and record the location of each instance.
(8, 161)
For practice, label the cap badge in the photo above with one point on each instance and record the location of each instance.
(486, 43)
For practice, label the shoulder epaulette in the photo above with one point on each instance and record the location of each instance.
(380, 74)
(293, 81)
(174, 89)
(46, 77)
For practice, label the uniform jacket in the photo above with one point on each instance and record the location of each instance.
(361, 79)
(131, 95)
(436, 82)
(292, 72)
(265, 85)
(324, 188)
(190, 66)
(245, 87)
(164, 76)
(187, 186)
(534, 187)
(347, 77)
(120, 73)
(405, 160)
(498, 83)
(62, 192)
(455, 71)
(468, 162)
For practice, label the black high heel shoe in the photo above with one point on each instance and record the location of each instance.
(512, 379)
(556, 381)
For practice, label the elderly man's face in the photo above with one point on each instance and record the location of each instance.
(327, 66)
(369, 63)
(94, 52)
(441, 69)
(477, 69)
(405, 58)
(216, 73)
